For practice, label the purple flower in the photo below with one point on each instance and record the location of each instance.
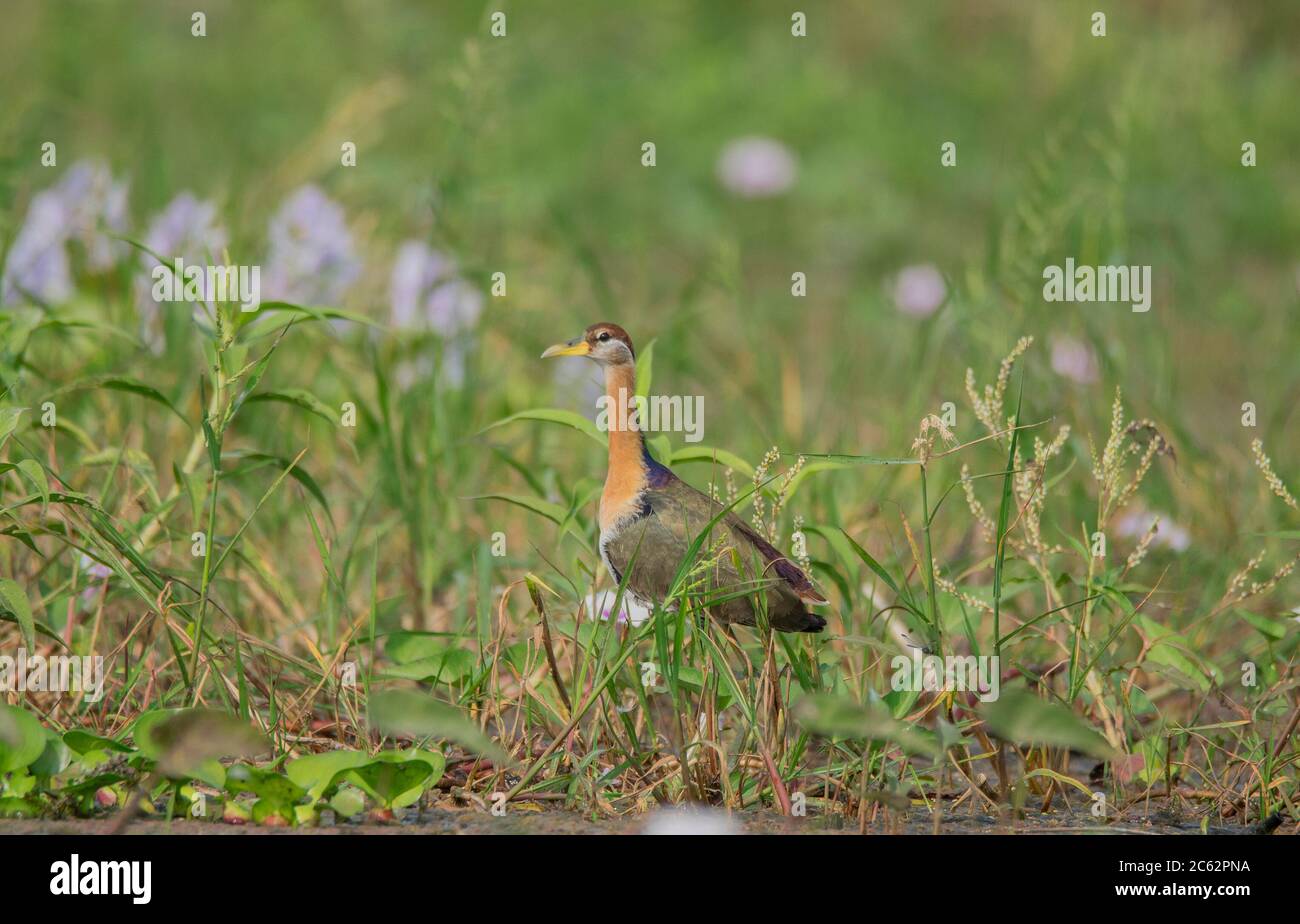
(94, 572)
(1074, 360)
(426, 293)
(95, 204)
(311, 260)
(755, 167)
(82, 206)
(453, 307)
(415, 271)
(919, 290)
(186, 228)
(37, 261)
(93, 569)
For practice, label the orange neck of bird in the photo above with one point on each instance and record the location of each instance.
(627, 471)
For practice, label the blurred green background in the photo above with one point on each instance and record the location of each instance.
(522, 155)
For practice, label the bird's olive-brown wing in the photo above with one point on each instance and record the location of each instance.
(746, 541)
(728, 564)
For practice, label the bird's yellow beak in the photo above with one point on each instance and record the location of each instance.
(577, 347)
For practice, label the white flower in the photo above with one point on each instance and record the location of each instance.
(690, 821)
(1135, 523)
(919, 290)
(1074, 360)
(600, 605)
(755, 167)
(311, 260)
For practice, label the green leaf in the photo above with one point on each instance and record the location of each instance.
(692, 678)
(317, 772)
(14, 599)
(1274, 629)
(255, 460)
(187, 742)
(1171, 650)
(661, 448)
(22, 739)
(840, 716)
(709, 454)
(348, 802)
(13, 807)
(553, 512)
(811, 468)
(645, 367)
(9, 417)
(398, 778)
(552, 415)
(391, 777)
(264, 810)
(422, 656)
(254, 376)
(54, 758)
(32, 471)
(881, 573)
(404, 647)
(454, 665)
(265, 784)
(299, 398)
(1024, 718)
(122, 455)
(122, 383)
(315, 313)
(1000, 537)
(1149, 766)
(405, 712)
(83, 742)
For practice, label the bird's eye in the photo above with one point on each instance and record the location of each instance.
(604, 335)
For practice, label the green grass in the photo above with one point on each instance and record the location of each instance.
(343, 566)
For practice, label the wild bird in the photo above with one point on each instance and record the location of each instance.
(649, 518)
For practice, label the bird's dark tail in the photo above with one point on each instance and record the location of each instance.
(812, 623)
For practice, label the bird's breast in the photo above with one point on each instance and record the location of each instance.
(620, 502)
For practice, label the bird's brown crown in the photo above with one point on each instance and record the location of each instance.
(609, 331)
